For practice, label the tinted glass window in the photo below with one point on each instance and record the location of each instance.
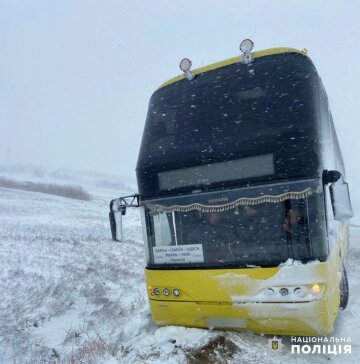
(234, 112)
(265, 234)
(270, 97)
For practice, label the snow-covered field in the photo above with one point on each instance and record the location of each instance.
(69, 294)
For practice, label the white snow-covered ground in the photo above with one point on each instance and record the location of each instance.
(69, 294)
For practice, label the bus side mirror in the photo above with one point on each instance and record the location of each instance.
(115, 216)
(340, 200)
(117, 210)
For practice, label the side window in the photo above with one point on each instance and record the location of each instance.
(325, 128)
(338, 157)
(332, 224)
(332, 158)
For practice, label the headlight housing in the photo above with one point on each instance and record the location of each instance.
(300, 293)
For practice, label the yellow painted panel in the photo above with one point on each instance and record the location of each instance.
(217, 298)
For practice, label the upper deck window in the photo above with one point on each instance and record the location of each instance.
(270, 97)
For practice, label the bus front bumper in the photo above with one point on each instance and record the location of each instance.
(305, 318)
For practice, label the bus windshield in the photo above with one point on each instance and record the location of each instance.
(263, 234)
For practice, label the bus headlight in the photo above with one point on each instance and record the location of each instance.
(185, 66)
(302, 293)
(246, 46)
(316, 288)
(157, 291)
(299, 292)
(176, 292)
(166, 292)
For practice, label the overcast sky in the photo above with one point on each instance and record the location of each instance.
(76, 75)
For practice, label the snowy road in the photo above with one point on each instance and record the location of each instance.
(71, 295)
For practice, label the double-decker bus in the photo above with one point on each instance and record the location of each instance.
(243, 198)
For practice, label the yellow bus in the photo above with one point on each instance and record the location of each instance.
(243, 198)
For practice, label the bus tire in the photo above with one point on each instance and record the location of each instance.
(344, 289)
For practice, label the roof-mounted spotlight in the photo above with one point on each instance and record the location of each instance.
(246, 47)
(185, 66)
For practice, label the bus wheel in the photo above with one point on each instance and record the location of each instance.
(344, 289)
